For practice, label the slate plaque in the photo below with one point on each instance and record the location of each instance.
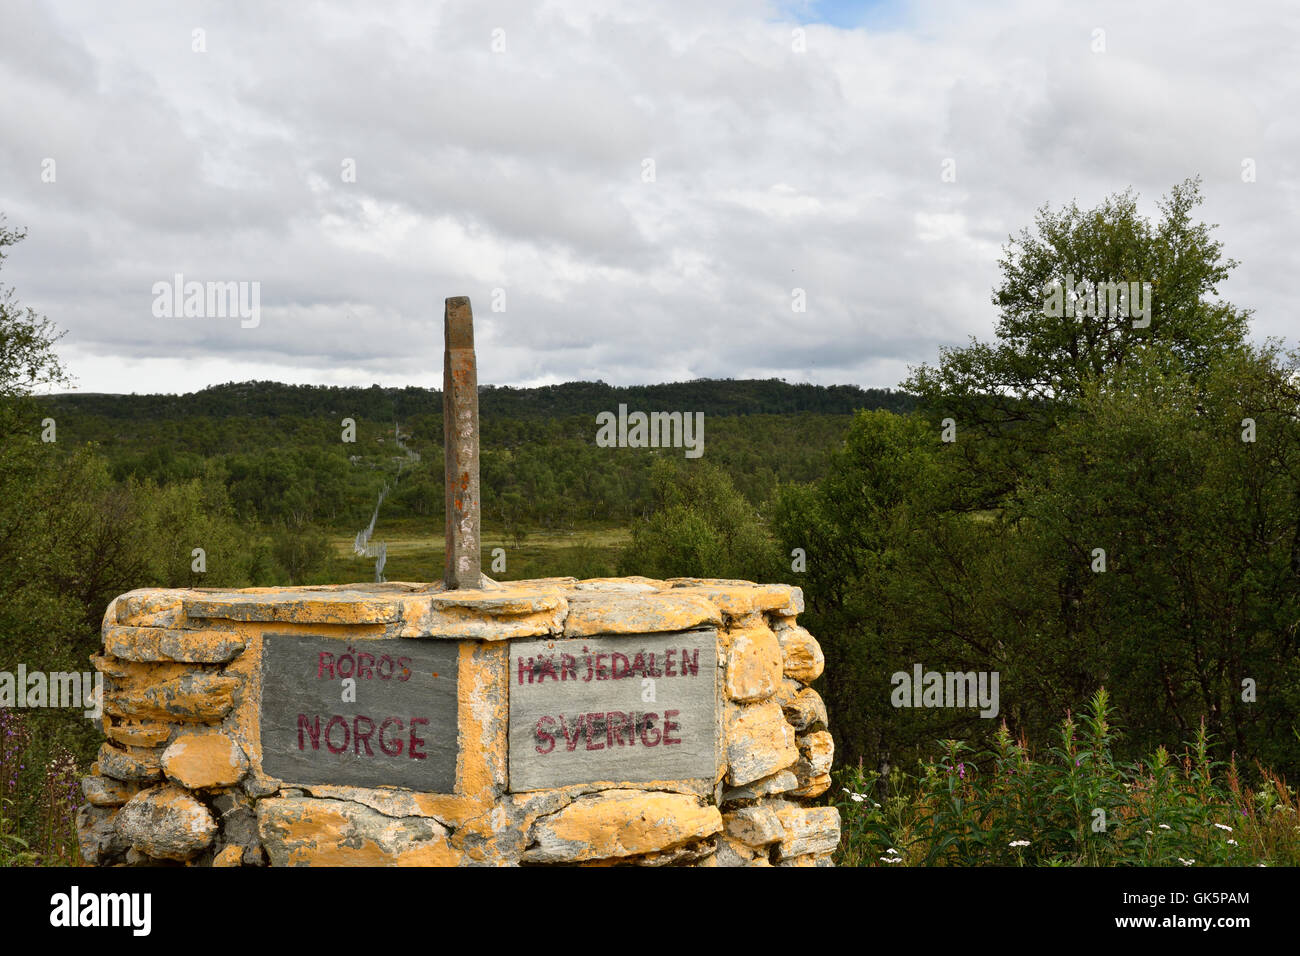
(634, 708)
(401, 729)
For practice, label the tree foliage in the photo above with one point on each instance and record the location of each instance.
(27, 357)
(699, 526)
(1104, 517)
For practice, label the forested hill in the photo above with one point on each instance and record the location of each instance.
(713, 397)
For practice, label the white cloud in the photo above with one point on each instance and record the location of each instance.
(522, 170)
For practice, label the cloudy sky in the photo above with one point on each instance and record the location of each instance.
(626, 191)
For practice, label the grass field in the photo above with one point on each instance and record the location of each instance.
(415, 553)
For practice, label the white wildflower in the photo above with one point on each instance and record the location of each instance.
(1018, 843)
(1224, 826)
(1165, 826)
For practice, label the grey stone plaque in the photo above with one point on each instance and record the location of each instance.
(633, 707)
(396, 727)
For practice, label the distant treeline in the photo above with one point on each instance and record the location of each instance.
(716, 397)
(278, 450)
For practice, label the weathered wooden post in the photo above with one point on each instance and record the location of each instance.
(463, 567)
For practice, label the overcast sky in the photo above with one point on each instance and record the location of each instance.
(507, 146)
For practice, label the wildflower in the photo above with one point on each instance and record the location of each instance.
(1232, 842)
(1149, 833)
(961, 770)
(1165, 826)
(891, 859)
(1018, 843)
(1185, 862)
(1224, 826)
(856, 797)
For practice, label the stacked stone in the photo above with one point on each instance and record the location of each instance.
(778, 745)
(166, 785)
(180, 780)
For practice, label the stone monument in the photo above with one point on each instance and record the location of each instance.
(552, 721)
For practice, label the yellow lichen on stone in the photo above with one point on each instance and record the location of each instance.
(310, 832)
(149, 607)
(106, 792)
(739, 599)
(819, 750)
(759, 742)
(295, 606)
(595, 612)
(203, 761)
(754, 826)
(195, 697)
(708, 583)
(802, 654)
(620, 823)
(484, 615)
(805, 709)
(130, 764)
(732, 600)
(229, 856)
(732, 852)
(166, 823)
(629, 584)
(134, 734)
(132, 643)
(815, 787)
(127, 677)
(753, 663)
(484, 714)
(808, 830)
(507, 602)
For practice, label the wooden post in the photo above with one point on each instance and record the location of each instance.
(463, 567)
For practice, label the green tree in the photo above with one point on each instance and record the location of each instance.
(301, 549)
(1073, 437)
(29, 608)
(1046, 357)
(876, 532)
(1012, 392)
(27, 357)
(699, 526)
(1200, 530)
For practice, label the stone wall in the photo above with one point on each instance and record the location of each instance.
(180, 778)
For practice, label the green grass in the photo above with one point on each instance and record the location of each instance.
(1071, 805)
(415, 553)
